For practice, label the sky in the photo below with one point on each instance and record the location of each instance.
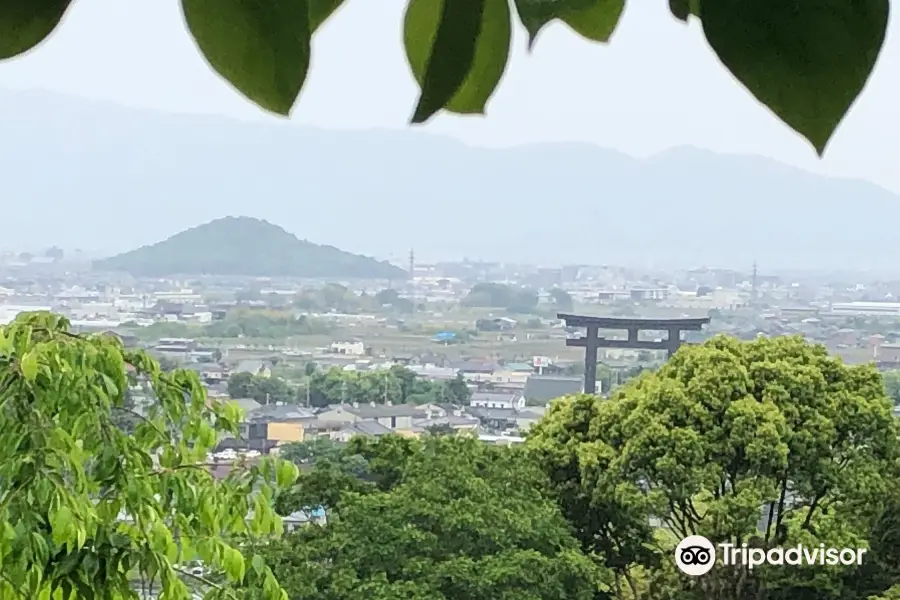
(656, 85)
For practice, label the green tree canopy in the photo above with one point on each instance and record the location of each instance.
(562, 299)
(265, 390)
(806, 60)
(498, 295)
(85, 509)
(771, 443)
(461, 519)
(397, 385)
(892, 385)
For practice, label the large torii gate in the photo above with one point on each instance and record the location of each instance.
(591, 342)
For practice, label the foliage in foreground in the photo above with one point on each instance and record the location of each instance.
(86, 509)
(446, 518)
(771, 443)
(807, 60)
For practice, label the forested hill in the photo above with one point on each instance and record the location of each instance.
(245, 246)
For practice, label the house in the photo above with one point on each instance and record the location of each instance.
(398, 417)
(504, 419)
(254, 367)
(500, 440)
(494, 400)
(247, 405)
(366, 428)
(458, 423)
(439, 410)
(541, 389)
(495, 324)
(307, 516)
(210, 374)
(175, 347)
(348, 348)
(128, 340)
(274, 425)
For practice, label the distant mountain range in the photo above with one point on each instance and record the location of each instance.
(249, 247)
(80, 174)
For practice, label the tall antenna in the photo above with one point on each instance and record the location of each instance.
(753, 286)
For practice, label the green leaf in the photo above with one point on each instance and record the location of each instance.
(260, 47)
(807, 60)
(286, 474)
(596, 20)
(24, 25)
(6, 345)
(29, 366)
(320, 10)
(681, 9)
(60, 525)
(457, 51)
(233, 562)
(259, 564)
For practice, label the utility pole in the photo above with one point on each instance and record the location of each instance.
(753, 287)
(412, 278)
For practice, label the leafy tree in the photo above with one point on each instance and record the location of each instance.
(488, 295)
(725, 437)
(892, 385)
(442, 429)
(240, 385)
(397, 385)
(806, 60)
(265, 390)
(311, 450)
(456, 391)
(523, 301)
(498, 295)
(387, 296)
(562, 299)
(462, 520)
(264, 324)
(86, 509)
(168, 364)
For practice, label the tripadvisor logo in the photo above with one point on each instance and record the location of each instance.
(695, 555)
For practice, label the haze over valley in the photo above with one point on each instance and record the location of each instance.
(93, 169)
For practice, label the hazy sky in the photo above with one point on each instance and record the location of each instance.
(656, 85)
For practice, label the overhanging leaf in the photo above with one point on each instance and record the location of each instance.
(807, 60)
(596, 20)
(320, 10)
(444, 82)
(26, 23)
(261, 47)
(681, 9)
